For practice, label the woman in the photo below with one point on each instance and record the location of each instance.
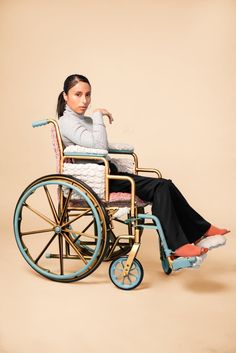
(184, 228)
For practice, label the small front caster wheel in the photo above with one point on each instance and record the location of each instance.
(130, 281)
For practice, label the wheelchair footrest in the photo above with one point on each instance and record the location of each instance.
(186, 262)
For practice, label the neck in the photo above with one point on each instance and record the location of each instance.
(72, 112)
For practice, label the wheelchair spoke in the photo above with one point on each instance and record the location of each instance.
(131, 274)
(88, 226)
(84, 230)
(122, 263)
(37, 231)
(119, 276)
(119, 270)
(76, 218)
(129, 279)
(65, 206)
(45, 248)
(39, 214)
(74, 247)
(80, 233)
(54, 212)
(60, 240)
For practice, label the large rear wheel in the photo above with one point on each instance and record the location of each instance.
(60, 227)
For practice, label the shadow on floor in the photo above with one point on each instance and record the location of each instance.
(209, 278)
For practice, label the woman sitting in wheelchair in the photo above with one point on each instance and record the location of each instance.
(187, 233)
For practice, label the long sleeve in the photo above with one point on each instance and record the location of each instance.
(84, 131)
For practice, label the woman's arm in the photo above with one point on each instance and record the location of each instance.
(99, 131)
(87, 132)
(105, 112)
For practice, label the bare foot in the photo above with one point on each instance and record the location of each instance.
(189, 250)
(216, 231)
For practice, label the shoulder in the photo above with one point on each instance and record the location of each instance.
(71, 123)
(66, 122)
(68, 119)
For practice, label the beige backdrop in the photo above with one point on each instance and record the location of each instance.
(166, 70)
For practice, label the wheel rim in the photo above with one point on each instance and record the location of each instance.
(60, 227)
(132, 280)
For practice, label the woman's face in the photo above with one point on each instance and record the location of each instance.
(78, 97)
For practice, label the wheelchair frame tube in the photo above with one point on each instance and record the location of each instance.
(145, 170)
(59, 140)
(150, 170)
(132, 183)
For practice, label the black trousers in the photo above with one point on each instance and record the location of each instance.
(180, 222)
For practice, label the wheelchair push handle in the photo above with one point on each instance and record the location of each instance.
(40, 123)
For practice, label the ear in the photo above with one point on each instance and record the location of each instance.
(65, 96)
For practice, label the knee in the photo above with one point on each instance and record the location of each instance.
(166, 182)
(162, 186)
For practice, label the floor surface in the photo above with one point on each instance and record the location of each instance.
(188, 311)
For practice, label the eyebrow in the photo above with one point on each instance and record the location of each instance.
(82, 92)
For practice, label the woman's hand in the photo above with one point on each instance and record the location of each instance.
(105, 112)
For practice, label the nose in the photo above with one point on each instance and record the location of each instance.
(84, 99)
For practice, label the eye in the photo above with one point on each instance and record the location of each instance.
(78, 94)
(88, 94)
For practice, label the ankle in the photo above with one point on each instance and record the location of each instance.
(189, 250)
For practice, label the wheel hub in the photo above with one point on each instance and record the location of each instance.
(57, 229)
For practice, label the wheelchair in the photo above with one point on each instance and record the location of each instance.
(65, 223)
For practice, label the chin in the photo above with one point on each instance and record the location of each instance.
(81, 112)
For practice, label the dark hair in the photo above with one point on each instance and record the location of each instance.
(70, 82)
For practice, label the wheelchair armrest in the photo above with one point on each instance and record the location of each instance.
(149, 170)
(120, 148)
(83, 154)
(76, 151)
(119, 151)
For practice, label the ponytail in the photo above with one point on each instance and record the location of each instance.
(61, 105)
